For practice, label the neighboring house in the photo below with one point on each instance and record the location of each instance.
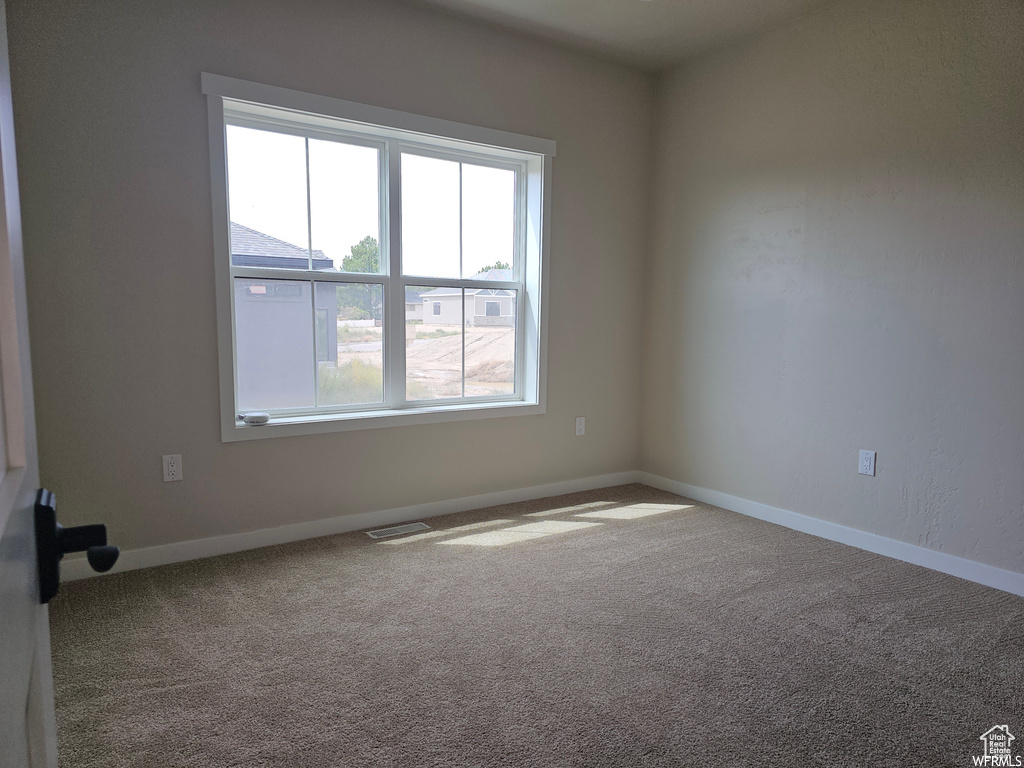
(413, 305)
(250, 248)
(273, 327)
(483, 306)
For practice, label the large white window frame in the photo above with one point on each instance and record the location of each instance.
(254, 105)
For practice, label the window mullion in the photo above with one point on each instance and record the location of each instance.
(462, 274)
(312, 283)
(321, 276)
(519, 241)
(519, 273)
(462, 304)
(394, 329)
(309, 213)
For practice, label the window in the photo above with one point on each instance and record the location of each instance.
(337, 226)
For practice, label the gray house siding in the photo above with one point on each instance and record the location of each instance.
(441, 308)
(275, 337)
(273, 344)
(413, 305)
(483, 307)
(491, 309)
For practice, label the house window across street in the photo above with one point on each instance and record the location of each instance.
(335, 232)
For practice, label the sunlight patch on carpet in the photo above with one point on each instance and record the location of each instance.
(635, 511)
(573, 509)
(520, 533)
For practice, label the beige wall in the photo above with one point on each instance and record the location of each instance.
(839, 264)
(112, 140)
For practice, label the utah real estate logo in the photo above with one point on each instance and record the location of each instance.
(998, 751)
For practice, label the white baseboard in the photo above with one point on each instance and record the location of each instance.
(180, 551)
(989, 575)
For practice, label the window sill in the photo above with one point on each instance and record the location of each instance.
(345, 422)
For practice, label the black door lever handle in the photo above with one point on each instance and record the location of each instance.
(53, 541)
(102, 559)
(81, 537)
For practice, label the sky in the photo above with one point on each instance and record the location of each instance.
(267, 192)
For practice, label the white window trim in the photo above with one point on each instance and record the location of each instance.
(532, 383)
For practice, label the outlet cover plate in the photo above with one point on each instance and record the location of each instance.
(172, 467)
(866, 466)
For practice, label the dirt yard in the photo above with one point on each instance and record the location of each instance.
(434, 359)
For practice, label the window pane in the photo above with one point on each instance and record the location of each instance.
(430, 217)
(344, 206)
(488, 221)
(433, 342)
(350, 346)
(490, 342)
(273, 344)
(267, 199)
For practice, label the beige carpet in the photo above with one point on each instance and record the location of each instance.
(662, 633)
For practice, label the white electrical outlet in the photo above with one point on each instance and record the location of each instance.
(172, 467)
(867, 463)
(581, 425)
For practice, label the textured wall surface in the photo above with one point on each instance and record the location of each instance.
(113, 153)
(839, 264)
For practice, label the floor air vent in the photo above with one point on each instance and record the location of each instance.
(397, 530)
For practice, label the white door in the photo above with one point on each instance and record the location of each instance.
(27, 724)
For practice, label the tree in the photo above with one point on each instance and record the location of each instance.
(364, 257)
(361, 301)
(497, 265)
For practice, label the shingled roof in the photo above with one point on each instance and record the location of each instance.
(250, 248)
(490, 274)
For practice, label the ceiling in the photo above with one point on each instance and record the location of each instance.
(649, 33)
